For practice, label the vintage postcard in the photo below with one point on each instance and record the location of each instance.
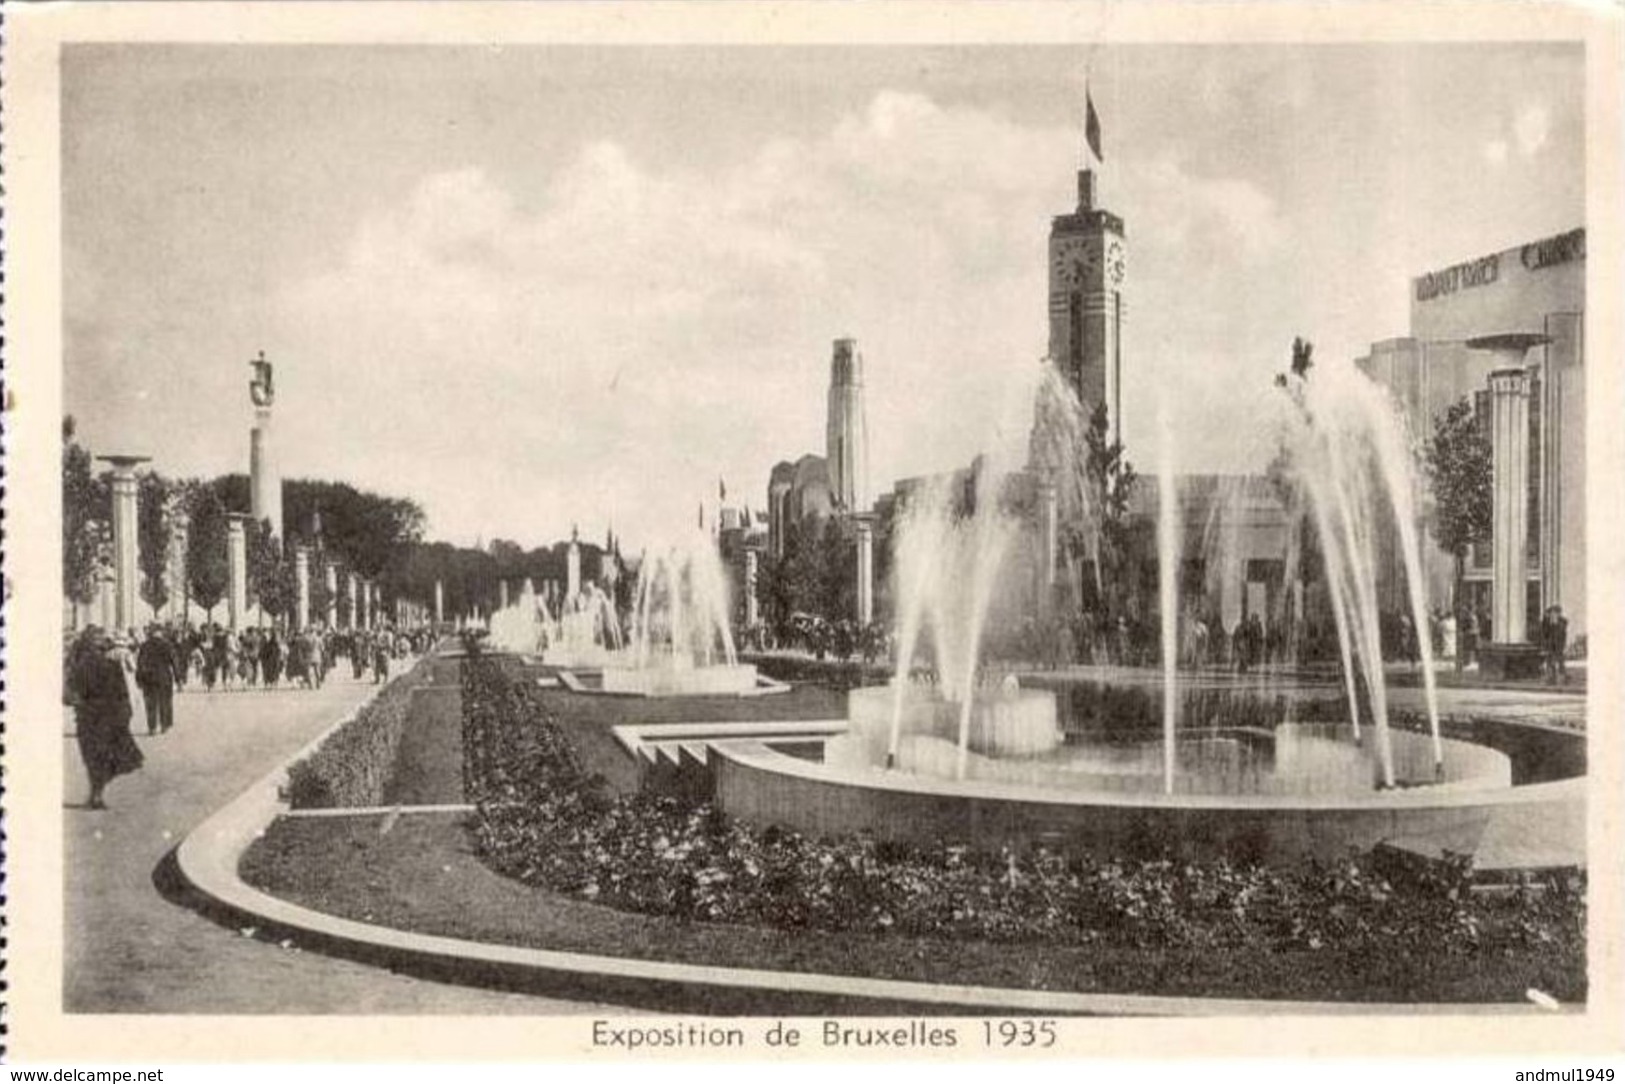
(722, 532)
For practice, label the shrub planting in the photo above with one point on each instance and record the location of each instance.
(353, 766)
(544, 820)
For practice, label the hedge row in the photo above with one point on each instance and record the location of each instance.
(353, 766)
(543, 820)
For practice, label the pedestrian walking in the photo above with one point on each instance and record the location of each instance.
(155, 674)
(101, 701)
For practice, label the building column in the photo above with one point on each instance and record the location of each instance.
(364, 594)
(375, 604)
(301, 587)
(351, 614)
(753, 610)
(180, 527)
(125, 537)
(1509, 389)
(439, 602)
(330, 579)
(1509, 442)
(264, 483)
(502, 594)
(866, 571)
(236, 571)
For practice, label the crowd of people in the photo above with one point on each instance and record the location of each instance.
(106, 675)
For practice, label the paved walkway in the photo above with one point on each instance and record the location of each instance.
(129, 949)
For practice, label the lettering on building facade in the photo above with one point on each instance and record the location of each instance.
(1480, 272)
(1554, 250)
(1535, 256)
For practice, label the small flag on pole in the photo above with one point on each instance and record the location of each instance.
(1091, 126)
(722, 490)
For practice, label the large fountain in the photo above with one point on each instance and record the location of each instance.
(960, 743)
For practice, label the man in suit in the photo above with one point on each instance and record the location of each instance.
(155, 674)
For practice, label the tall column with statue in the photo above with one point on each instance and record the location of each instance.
(265, 483)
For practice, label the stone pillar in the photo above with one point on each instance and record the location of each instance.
(1509, 389)
(439, 602)
(264, 483)
(125, 536)
(179, 535)
(236, 572)
(375, 604)
(364, 594)
(1509, 653)
(572, 568)
(352, 615)
(330, 579)
(866, 572)
(502, 592)
(301, 587)
(753, 610)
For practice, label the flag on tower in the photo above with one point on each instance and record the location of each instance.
(1091, 126)
(722, 489)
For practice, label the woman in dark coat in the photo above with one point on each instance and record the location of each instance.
(271, 660)
(101, 702)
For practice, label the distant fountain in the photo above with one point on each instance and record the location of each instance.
(586, 632)
(522, 626)
(681, 641)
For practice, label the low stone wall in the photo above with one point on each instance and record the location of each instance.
(756, 783)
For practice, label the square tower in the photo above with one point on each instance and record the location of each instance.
(1087, 271)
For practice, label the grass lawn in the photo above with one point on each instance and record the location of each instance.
(423, 875)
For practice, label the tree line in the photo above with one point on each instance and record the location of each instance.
(375, 536)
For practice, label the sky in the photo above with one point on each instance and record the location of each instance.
(543, 286)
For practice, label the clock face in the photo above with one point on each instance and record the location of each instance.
(1116, 266)
(1073, 264)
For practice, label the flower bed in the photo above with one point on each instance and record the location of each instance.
(544, 821)
(352, 768)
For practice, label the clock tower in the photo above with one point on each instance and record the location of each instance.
(1087, 269)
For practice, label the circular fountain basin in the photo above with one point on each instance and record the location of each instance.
(1283, 792)
(1003, 722)
(719, 680)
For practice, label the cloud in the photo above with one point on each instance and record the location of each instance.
(612, 342)
(1532, 126)
(1495, 152)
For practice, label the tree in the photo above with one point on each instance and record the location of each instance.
(1110, 479)
(87, 507)
(1461, 472)
(208, 572)
(270, 580)
(154, 513)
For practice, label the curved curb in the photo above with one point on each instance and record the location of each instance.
(208, 859)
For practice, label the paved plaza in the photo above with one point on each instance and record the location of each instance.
(133, 950)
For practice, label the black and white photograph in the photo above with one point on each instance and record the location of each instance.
(942, 536)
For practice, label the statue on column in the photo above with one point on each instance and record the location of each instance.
(260, 388)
